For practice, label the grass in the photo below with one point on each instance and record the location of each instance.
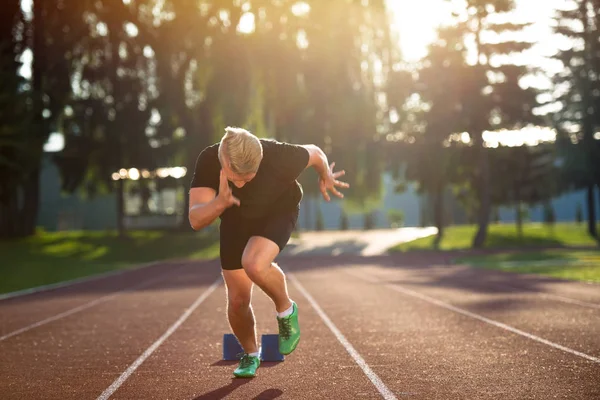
(566, 264)
(58, 256)
(506, 236)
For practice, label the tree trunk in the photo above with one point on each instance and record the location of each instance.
(484, 165)
(438, 214)
(121, 208)
(31, 201)
(519, 220)
(31, 187)
(307, 213)
(591, 212)
(195, 144)
(519, 210)
(484, 198)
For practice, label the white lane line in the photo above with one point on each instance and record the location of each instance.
(551, 296)
(570, 300)
(509, 328)
(83, 307)
(125, 375)
(377, 382)
(71, 282)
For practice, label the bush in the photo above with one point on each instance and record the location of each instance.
(395, 218)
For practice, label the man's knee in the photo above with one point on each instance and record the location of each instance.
(254, 266)
(239, 303)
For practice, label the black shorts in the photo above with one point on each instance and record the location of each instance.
(235, 233)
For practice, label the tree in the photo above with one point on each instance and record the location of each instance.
(577, 91)
(494, 97)
(524, 176)
(429, 152)
(17, 157)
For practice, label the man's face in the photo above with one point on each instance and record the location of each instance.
(238, 180)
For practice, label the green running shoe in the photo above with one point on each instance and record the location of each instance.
(248, 366)
(289, 331)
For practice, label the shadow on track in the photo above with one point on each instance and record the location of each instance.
(225, 391)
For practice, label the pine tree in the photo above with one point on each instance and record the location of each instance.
(494, 97)
(578, 92)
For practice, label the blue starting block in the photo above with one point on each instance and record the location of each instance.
(269, 348)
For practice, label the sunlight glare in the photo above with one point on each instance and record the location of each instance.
(300, 9)
(246, 24)
(415, 22)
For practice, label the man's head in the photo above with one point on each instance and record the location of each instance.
(240, 154)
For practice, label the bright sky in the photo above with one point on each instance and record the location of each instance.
(416, 22)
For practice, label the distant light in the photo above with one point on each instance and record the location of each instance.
(246, 24)
(597, 135)
(148, 52)
(123, 173)
(55, 143)
(26, 60)
(301, 8)
(131, 29)
(102, 29)
(178, 172)
(145, 174)
(162, 172)
(134, 174)
(116, 176)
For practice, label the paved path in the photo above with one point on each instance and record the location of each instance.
(388, 326)
(366, 243)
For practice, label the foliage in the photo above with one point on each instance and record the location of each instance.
(576, 88)
(503, 236)
(577, 265)
(494, 96)
(395, 218)
(50, 257)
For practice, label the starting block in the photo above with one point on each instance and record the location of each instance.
(269, 348)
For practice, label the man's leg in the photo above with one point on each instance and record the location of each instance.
(239, 308)
(258, 263)
(257, 260)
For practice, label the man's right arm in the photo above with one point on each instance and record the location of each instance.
(205, 207)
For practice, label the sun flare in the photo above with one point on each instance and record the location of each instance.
(416, 22)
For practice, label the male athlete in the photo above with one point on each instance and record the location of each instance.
(258, 214)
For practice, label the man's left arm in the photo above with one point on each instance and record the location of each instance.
(328, 180)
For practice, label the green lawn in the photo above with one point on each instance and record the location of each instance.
(566, 264)
(54, 257)
(505, 235)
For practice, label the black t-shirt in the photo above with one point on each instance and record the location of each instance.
(275, 187)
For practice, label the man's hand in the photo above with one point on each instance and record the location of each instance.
(328, 181)
(225, 196)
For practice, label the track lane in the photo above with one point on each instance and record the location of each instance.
(22, 311)
(189, 365)
(424, 351)
(80, 355)
(566, 324)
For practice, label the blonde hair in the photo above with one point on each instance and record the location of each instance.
(242, 149)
